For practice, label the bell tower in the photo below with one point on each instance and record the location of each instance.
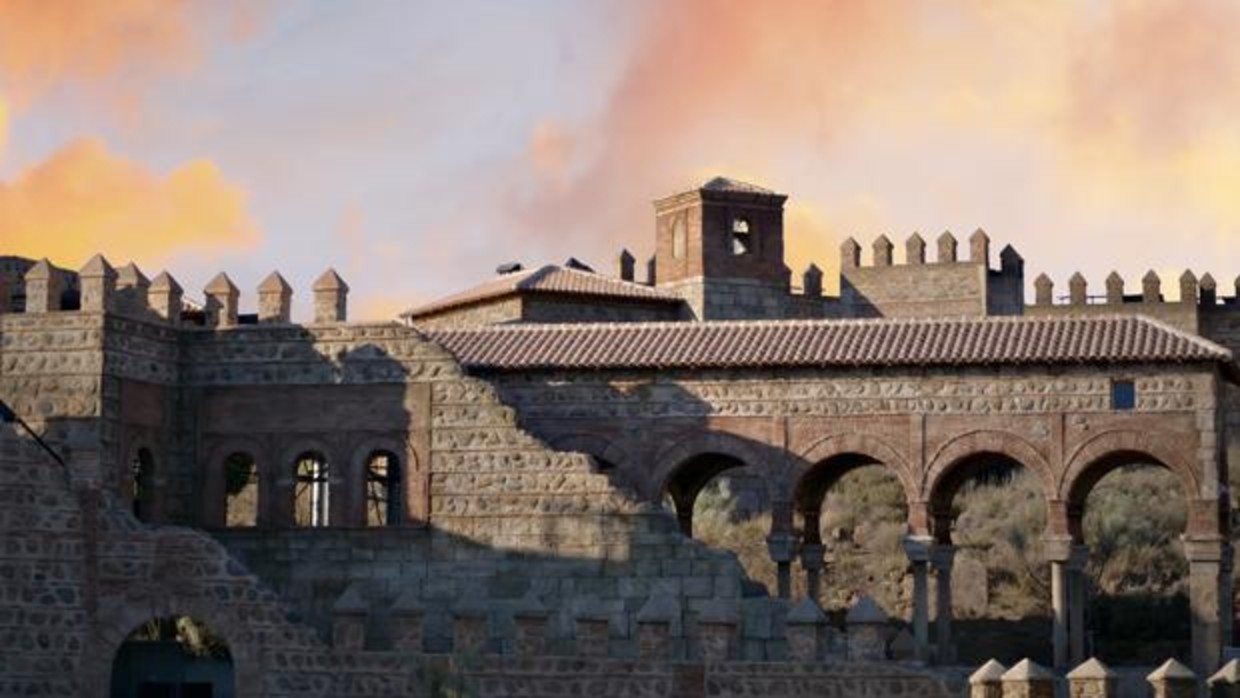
(722, 247)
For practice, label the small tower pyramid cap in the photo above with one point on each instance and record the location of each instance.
(1092, 668)
(163, 281)
(979, 234)
(916, 239)
(42, 269)
(989, 672)
(865, 611)
(1151, 275)
(330, 281)
(1042, 280)
(850, 243)
(1114, 278)
(1026, 670)
(813, 269)
(1077, 278)
(274, 283)
(1171, 669)
(132, 274)
(221, 284)
(96, 266)
(1208, 282)
(806, 613)
(947, 236)
(883, 241)
(1188, 275)
(1010, 254)
(1229, 673)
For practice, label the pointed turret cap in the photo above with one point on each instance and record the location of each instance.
(131, 275)
(1208, 283)
(164, 282)
(274, 283)
(1151, 275)
(1043, 280)
(1228, 674)
(96, 266)
(1077, 278)
(1026, 670)
(1173, 670)
(865, 611)
(1188, 277)
(979, 235)
(989, 672)
(42, 269)
(330, 281)
(221, 284)
(1092, 669)
(1115, 278)
(806, 613)
(1009, 254)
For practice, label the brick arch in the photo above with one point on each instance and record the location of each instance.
(213, 505)
(355, 471)
(873, 449)
(701, 443)
(948, 468)
(1103, 453)
(118, 617)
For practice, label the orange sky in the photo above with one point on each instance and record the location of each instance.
(1091, 135)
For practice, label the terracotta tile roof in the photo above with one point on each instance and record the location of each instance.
(549, 279)
(829, 343)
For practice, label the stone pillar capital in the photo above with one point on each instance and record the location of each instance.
(917, 548)
(1205, 549)
(1078, 558)
(1058, 548)
(813, 555)
(781, 546)
(942, 557)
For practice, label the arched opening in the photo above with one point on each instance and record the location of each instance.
(142, 483)
(1130, 511)
(989, 520)
(384, 494)
(312, 493)
(854, 512)
(173, 657)
(723, 502)
(240, 490)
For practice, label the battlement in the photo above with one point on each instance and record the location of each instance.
(948, 286)
(98, 287)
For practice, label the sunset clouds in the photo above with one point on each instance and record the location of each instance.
(84, 198)
(417, 149)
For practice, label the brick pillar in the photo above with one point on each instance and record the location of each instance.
(349, 621)
(717, 623)
(165, 297)
(469, 630)
(867, 631)
(593, 635)
(1226, 681)
(97, 281)
(987, 681)
(44, 285)
(805, 627)
(408, 617)
(275, 299)
(1093, 679)
(655, 621)
(1028, 680)
(1173, 680)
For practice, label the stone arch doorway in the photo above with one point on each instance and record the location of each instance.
(173, 657)
(688, 479)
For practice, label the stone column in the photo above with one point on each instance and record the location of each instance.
(987, 681)
(1059, 552)
(941, 558)
(1205, 568)
(812, 558)
(1077, 599)
(804, 629)
(782, 548)
(1226, 681)
(1173, 680)
(1093, 679)
(917, 548)
(1028, 680)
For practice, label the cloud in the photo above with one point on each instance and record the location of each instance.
(85, 199)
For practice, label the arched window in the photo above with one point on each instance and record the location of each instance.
(384, 500)
(742, 241)
(311, 497)
(241, 490)
(142, 482)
